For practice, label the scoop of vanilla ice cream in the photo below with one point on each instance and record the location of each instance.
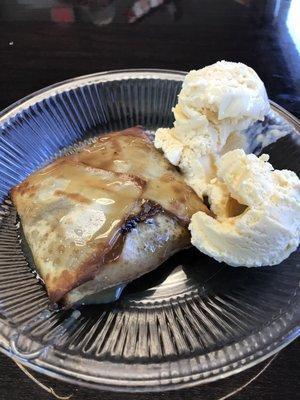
(214, 105)
(257, 213)
(229, 94)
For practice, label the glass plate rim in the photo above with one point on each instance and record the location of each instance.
(118, 74)
(113, 75)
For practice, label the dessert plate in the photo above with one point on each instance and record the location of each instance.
(192, 320)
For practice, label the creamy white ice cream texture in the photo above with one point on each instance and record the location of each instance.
(257, 213)
(215, 104)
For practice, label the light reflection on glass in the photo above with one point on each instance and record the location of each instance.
(293, 22)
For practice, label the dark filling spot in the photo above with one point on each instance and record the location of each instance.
(149, 210)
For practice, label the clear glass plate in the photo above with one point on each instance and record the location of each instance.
(192, 320)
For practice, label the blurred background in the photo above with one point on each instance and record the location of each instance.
(52, 40)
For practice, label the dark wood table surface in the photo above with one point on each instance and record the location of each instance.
(43, 42)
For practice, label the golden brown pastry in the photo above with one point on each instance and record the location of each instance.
(104, 216)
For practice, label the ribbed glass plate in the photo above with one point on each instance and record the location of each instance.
(192, 320)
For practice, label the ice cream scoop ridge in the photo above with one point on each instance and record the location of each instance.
(257, 213)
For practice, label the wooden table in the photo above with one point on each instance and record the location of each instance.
(45, 42)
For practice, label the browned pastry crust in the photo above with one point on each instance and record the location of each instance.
(85, 216)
